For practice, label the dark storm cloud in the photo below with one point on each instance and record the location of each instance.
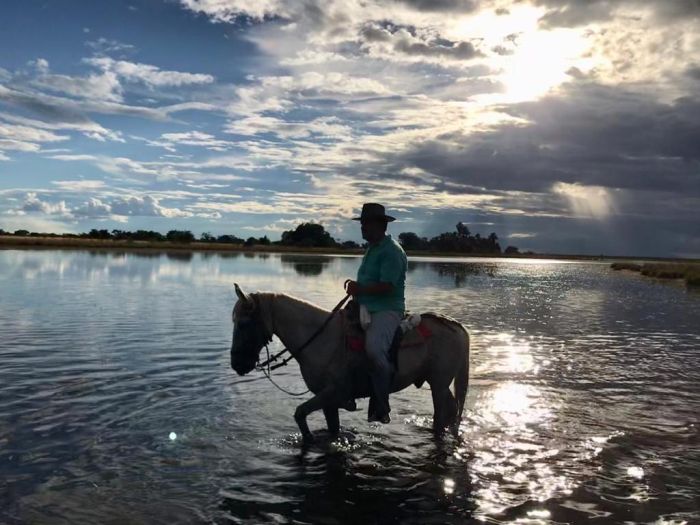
(693, 72)
(570, 13)
(461, 50)
(405, 40)
(441, 5)
(589, 134)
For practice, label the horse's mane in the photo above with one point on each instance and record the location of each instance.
(265, 298)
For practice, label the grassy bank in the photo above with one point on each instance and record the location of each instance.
(689, 272)
(12, 241)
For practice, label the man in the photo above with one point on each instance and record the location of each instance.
(379, 288)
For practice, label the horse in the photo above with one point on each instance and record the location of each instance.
(326, 364)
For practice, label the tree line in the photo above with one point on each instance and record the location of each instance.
(305, 235)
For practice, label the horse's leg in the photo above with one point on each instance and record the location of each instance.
(315, 403)
(450, 408)
(444, 408)
(332, 420)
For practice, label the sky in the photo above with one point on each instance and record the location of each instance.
(569, 126)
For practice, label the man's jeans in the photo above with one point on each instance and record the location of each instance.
(378, 338)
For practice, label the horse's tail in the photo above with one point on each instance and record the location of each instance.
(461, 383)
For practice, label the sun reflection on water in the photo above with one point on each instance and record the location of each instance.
(509, 430)
(510, 355)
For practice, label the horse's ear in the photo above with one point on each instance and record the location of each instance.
(243, 297)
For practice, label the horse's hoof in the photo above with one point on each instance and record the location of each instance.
(350, 405)
(308, 439)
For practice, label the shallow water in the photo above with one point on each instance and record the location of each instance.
(118, 405)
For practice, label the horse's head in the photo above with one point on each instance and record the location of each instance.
(250, 334)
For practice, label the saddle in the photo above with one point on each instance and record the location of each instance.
(355, 335)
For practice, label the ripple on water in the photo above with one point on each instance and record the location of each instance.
(117, 389)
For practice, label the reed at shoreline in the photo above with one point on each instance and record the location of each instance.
(689, 272)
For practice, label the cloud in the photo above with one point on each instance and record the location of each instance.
(32, 203)
(117, 208)
(25, 138)
(93, 208)
(518, 112)
(147, 74)
(280, 93)
(227, 11)
(170, 141)
(577, 12)
(322, 127)
(139, 172)
(104, 86)
(100, 94)
(460, 6)
(587, 134)
(586, 201)
(390, 42)
(103, 46)
(78, 185)
(145, 206)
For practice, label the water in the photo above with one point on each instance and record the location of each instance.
(118, 405)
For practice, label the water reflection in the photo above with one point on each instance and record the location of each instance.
(306, 265)
(117, 387)
(461, 272)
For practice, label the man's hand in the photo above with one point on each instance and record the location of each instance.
(353, 288)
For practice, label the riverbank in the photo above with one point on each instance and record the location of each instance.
(689, 272)
(72, 243)
(12, 241)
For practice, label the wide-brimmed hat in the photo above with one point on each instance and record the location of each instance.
(372, 210)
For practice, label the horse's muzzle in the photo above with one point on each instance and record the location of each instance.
(242, 369)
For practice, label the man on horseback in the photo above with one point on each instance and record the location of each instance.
(379, 289)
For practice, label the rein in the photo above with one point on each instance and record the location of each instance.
(266, 368)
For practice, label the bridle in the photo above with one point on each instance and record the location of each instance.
(266, 367)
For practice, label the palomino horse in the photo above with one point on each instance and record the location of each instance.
(326, 364)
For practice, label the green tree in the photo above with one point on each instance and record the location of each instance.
(411, 241)
(229, 239)
(308, 234)
(184, 236)
(99, 234)
(462, 229)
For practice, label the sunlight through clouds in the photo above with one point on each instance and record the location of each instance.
(586, 201)
(513, 113)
